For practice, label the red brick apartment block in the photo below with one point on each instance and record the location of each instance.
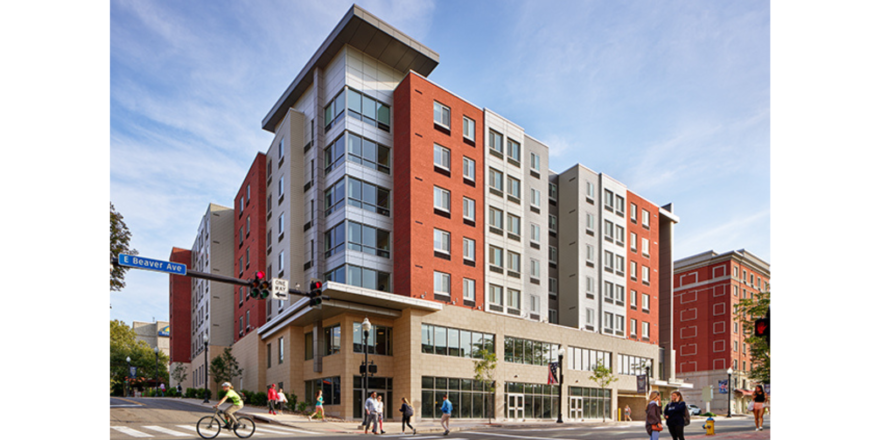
(643, 229)
(250, 247)
(179, 307)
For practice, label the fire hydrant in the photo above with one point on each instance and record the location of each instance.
(709, 426)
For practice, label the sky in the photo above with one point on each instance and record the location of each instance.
(672, 98)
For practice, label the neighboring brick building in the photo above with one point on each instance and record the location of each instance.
(250, 247)
(179, 309)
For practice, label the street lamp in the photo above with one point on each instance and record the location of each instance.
(729, 373)
(156, 376)
(365, 326)
(205, 339)
(561, 354)
(127, 373)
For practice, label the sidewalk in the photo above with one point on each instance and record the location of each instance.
(337, 426)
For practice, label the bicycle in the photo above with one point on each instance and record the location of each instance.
(209, 426)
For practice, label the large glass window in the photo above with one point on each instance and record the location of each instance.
(369, 240)
(530, 352)
(470, 398)
(369, 110)
(331, 388)
(539, 401)
(368, 153)
(332, 197)
(378, 342)
(334, 154)
(332, 340)
(334, 111)
(334, 240)
(369, 197)
(455, 342)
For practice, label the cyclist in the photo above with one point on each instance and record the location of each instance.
(231, 409)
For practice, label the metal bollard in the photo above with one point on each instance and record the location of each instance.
(709, 426)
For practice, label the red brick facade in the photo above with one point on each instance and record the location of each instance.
(651, 259)
(250, 246)
(415, 177)
(180, 308)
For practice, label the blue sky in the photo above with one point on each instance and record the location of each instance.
(671, 98)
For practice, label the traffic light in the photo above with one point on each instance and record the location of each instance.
(762, 328)
(260, 286)
(315, 292)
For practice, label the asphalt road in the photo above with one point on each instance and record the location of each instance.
(162, 419)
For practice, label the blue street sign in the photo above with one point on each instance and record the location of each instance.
(150, 264)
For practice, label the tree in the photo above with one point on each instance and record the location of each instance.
(484, 372)
(120, 237)
(603, 376)
(123, 344)
(747, 310)
(225, 367)
(178, 373)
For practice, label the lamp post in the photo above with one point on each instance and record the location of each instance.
(156, 376)
(205, 339)
(127, 374)
(729, 373)
(561, 354)
(365, 326)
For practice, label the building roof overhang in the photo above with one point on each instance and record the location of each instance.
(367, 33)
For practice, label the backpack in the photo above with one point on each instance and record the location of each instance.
(408, 411)
(687, 416)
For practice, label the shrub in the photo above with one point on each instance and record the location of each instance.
(260, 399)
(291, 401)
(191, 393)
(709, 414)
(302, 407)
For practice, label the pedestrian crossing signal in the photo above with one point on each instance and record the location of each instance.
(762, 328)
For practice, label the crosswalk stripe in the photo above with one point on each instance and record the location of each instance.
(273, 430)
(129, 431)
(166, 431)
(289, 430)
(193, 429)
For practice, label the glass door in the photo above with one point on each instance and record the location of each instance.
(576, 408)
(515, 406)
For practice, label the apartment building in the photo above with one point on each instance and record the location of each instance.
(709, 338)
(211, 311)
(441, 223)
(250, 247)
(180, 311)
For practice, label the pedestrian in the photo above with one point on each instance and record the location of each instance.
(231, 409)
(370, 408)
(758, 399)
(676, 412)
(627, 413)
(408, 412)
(282, 400)
(179, 391)
(162, 388)
(319, 406)
(446, 409)
(653, 421)
(380, 414)
(272, 397)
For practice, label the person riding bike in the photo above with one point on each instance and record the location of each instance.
(230, 410)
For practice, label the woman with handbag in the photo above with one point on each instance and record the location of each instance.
(677, 416)
(653, 420)
(757, 404)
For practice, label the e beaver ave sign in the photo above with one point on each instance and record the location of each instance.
(150, 264)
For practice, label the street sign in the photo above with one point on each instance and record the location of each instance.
(642, 383)
(150, 264)
(279, 289)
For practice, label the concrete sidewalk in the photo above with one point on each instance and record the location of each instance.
(337, 426)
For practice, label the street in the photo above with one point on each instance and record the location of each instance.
(174, 419)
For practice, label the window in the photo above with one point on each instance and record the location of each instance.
(469, 169)
(618, 205)
(535, 268)
(441, 114)
(281, 262)
(280, 188)
(553, 287)
(554, 191)
(469, 288)
(513, 261)
(633, 270)
(618, 324)
(536, 233)
(591, 223)
(268, 355)
(369, 110)
(609, 292)
(646, 274)
(553, 254)
(280, 350)
(513, 224)
(646, 302)
(513, 149)
(633, 245)
(281, 225)
(496, 294)
(333, 111)
(334, 240)
(632, 298)
(609, 200)
(513, 187)
(496, 180)
(609, 261)
(240, 236)
(441, 241)
(513, 299)
(590, 253)
(441, 157)
(369, 197)
(332, 340)
(369, 240)
(608, 321)
(619, 234)
(551, 223)
(535, 162)
(553, 316)
(333, 197)
(496, 256)
(496, 141)
(379, 340)
(646, 330)
(646, 218)
(469, 249)
(469, 210)
(590, 318)
(280, 151)
(645, 246)
(496, 218)
(590, 191)
(633, 211)
(534, 304)
(334, 154)
(633, 328)
(618, 293)
(609, 230)
(248, 225)
(455, 342)
(468, 128)
(536, 198)
(441, 199)
(441, 283)
(368, 153)
(618, 264)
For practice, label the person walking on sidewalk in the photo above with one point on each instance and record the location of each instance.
(272, 397)
(380, 414)
(626, 414)
(446, 409)
(319, 406)
(408, 412)
(162, 388)
(282, 400)
(758, 399)
(676, 411)
(370, 408)
(653, 419)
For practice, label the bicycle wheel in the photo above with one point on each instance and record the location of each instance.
(247, 427)
(208, 427)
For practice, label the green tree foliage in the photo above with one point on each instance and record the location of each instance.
(120, 237)
(225, 367)
(747, 311)
(484, 371)
(178, 373)
(603, 376)
(124, 343)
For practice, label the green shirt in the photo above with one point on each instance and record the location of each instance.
(233, 397)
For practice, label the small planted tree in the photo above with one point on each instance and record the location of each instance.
(603, 376)
(484, 373)
(178, 373)
(225, 367)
